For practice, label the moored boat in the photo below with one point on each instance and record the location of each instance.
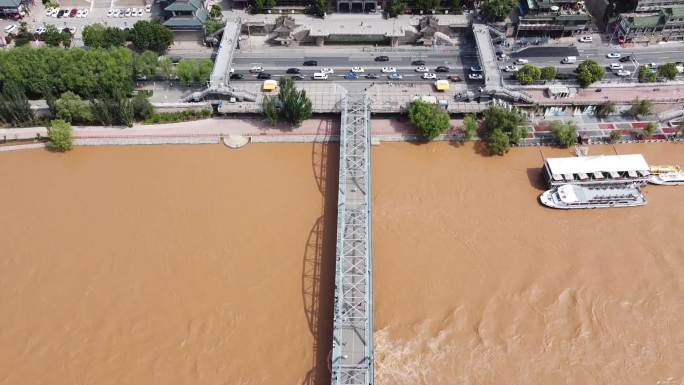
(570, 196)
(667, 179)
(663, 169)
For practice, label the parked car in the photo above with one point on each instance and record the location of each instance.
(372, 76)
(476, 69)
(72, 30)
(521, 61)
(61, 13)
(422, 69)
(455, 78)
(127, 12)
(418, 63)
(51, 12)
(141, 12)
(475, 76)
(623, 73)
(351, 76)
(586, 39)
(511, 69)
(651, 65)
(382, 58)
(117, 13)
(357, 70)
(41, 30)
(310, 63)
(263, 76)
(297, 77)
(256, 69)
(73, 12)
(429, 76)
(442, 69)
(394, 76)
(236, 76)
(615, 66)
(613, 55)
(79, 13)
(148, 8)
(388, 70)
(10, 28)
(293, 71)
(625, 59)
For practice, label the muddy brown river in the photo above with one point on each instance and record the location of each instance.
(201, 265)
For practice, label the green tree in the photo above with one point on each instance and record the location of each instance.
(564, 133)
(548, 73)
(52, 36)
(145, 64)
(270, 109)
(469, 127)
(111, 110)
(641, 107)
(430, 120)
(295, 105)
(528, 74)
(498, 142)
(668, 70)
(650, 129)
(605, 109)
(216, 11)
(646, 75)
(142, 108)
(15, 109)
(615, 136)
(214, 25)
(497, 10)
(589, 72)
(320, 7)
(151, 35)
(270, 4)
(59, 135)
(456, 6)
(507, 121)
(194, 70)
(23, 37)
(94, 35)
(680, 127)
(71, 108)
(258, 6)
(427, 5)
(397, 7)
(165, 67)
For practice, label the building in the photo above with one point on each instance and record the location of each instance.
(593, 170)
(11, 8)
(552, 18)
(357, 6)
(184, 15)
(665, 24)
(655, 5)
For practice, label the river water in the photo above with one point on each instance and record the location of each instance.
(201, 265)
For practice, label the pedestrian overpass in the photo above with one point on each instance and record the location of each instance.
(352, 347)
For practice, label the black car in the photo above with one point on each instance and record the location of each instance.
(418, 63)
(310, 63)
(297, 77)
(263, 76)
(372, 76)
(625, 59)
(382, 58)
(236, 76)
(293, 70)
(61, 13)
(442, 69)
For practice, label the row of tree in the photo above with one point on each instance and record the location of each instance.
(291, 105)
(145, 36)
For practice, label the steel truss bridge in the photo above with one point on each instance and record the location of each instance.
(352, 348)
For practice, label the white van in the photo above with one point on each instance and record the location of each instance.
(320, 76)
(569, 60)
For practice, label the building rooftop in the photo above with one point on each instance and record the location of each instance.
(601, 163)
(9, 3)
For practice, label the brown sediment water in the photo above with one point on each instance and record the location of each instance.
(202, 265)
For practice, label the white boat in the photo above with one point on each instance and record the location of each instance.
(571, 196)
(667, 179)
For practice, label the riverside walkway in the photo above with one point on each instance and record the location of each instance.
(352, 351)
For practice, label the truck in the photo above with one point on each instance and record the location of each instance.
(569, 60)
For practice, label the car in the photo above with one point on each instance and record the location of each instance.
(127, 12)
(110, 12)
(117, 13)
(455, 78)
(320, 76)
(442, 69)
(394, 76)
(236, 76)
(328, 70)
(651, 65)
(382, 58)
(351, 76)
(615, 66)
(73, 12)
(613, 55)
(10, 28)
(148, 8)
(475, 76)
(511, 69)
(418, 63)
(41, 30)
(60, 13)
(51, 12)
(586, 39)
(79, 13)
(623, 73)
(625, 59)
(264, 76)
(293, 71)
(521, 61)
(85, 13)
(256, 69)
(388, 70)
(429, 76)
(72, 30)
(141, 12)
(422, 69)
(372, 76)
(310, 63)
(476, 69)
(297, 77)
(357, 70)
(140, 77)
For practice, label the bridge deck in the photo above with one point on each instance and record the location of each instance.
(352, 354)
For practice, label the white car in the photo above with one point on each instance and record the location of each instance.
(51, 12)
(72, 30)
(623, 73)
(389, 70)
(148, 8)
(127, 12)
(117, 13)
(357, 70)
(651, 65)
(41, 30)
(10, 28)
(521, 61)
(110, 12)
(586, 39)
(421, 69)
(614, 55)
(79, 13)
(429, 76)
(141, 12)
(511, 69)
(475, 76)
(329, 71)
(256, 69)
(615, 66)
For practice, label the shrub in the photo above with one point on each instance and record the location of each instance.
(429, 119)
(564, 133)
(59, 135)
(615, 136)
